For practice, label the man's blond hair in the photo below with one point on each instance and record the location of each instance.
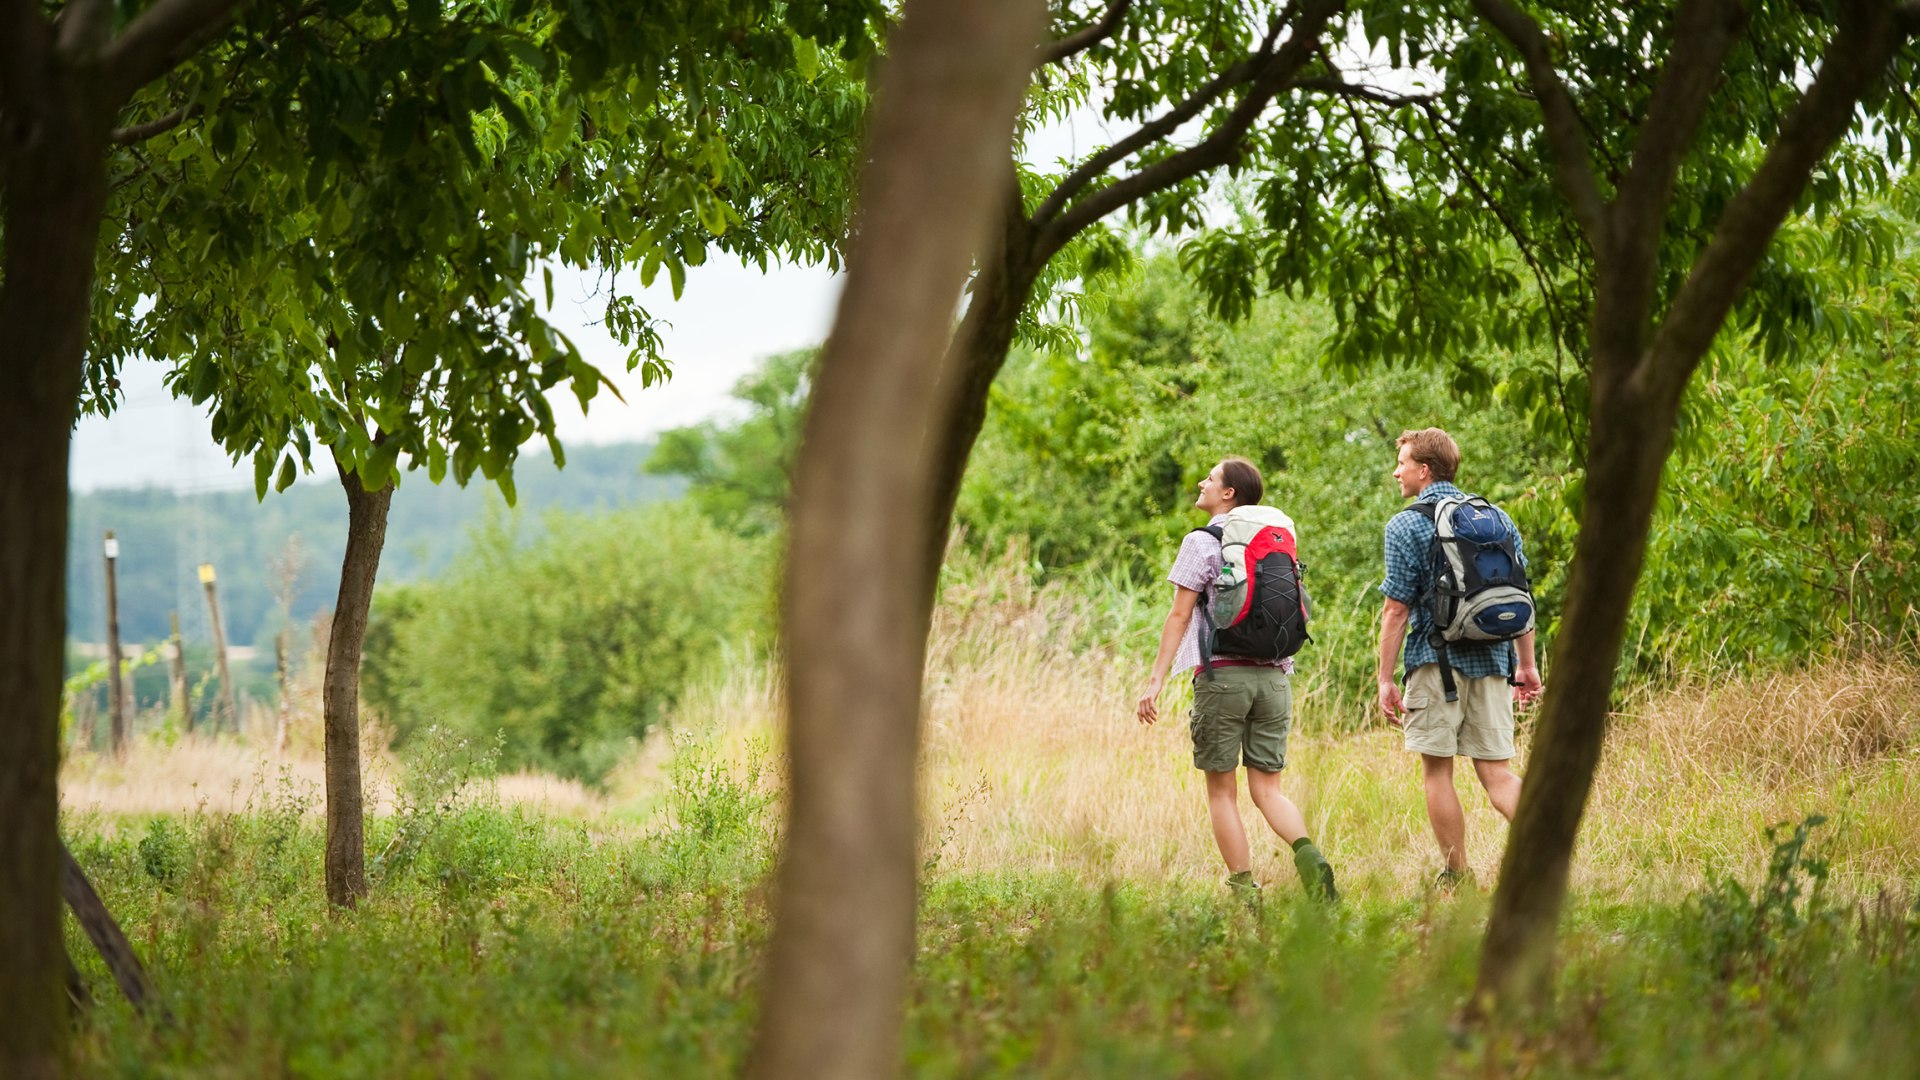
(1433, 448)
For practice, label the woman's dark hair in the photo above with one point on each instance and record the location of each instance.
(1243, 477)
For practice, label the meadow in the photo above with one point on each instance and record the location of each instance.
(1073, 920)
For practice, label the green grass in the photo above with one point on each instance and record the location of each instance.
(508, 944)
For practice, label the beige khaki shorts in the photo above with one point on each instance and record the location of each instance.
(1479, 725)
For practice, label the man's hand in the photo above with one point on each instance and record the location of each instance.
(1526, 685)
(1148, 709)
(1394, 709)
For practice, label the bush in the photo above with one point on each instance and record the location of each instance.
(569, 646)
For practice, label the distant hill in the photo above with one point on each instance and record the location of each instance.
(164, 536)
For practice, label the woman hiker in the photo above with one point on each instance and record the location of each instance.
(1242, 707)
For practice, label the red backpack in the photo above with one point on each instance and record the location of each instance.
(1257, 608)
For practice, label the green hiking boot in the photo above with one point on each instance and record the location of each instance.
(1316, 873)
(1245, 889)
(1448, 881)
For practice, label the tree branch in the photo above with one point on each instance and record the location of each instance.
(1704, 32)
(1573, 162)
(159, 38)
(1218, 148)
(82, 27)
(24, 44)
(1556, 317)
(1085, 38)
(135, 133)
(1339, 87)
(1151, 132)
(1857, 57)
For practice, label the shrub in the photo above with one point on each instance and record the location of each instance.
(571, 645)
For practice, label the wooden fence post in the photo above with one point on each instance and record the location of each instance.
(115, 685)
(181, 700)
(220, 653)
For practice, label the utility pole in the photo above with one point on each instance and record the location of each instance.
(180, 700)
(115, 685)
(220, 652)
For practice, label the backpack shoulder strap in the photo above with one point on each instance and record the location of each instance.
(1214, 531)
(1424, 509)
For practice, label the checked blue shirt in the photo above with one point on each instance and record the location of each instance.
(1410, 581)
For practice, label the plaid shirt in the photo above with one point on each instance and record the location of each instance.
(1410, 581)
(1195, 568)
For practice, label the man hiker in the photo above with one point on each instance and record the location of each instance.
(1242, 707)
(1460, 692)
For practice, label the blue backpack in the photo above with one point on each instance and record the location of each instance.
(1480, 590)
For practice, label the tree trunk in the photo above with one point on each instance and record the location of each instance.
(54, 195)
(346, 827)
(1630, 442)
(858, 592)
(974, 359)
(1637, 390)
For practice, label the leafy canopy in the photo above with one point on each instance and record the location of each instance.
(338, 238)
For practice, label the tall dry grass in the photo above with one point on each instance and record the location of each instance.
(228, 773)
(1033, 761)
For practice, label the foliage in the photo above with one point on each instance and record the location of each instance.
(739, 473)
(339, 241)
(440, 772)
(1790, 519)
(1093, 461)
(531, 946)
(1456, 243)
(571, 644)
(721, 827)
(1760, 939)
(95, 677)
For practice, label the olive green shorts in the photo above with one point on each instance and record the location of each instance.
(1241, 712)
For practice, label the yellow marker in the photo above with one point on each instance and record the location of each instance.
(206, 573)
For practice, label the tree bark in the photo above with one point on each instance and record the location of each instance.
(858, 592)
(54, 195)
(346, 827)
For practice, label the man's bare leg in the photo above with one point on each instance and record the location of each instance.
(1502, 784)
(1443, 810)
(1223, 809)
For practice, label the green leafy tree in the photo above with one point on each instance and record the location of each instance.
(1642, 159)
(741, 473)
(81, 84)
(397, 327)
